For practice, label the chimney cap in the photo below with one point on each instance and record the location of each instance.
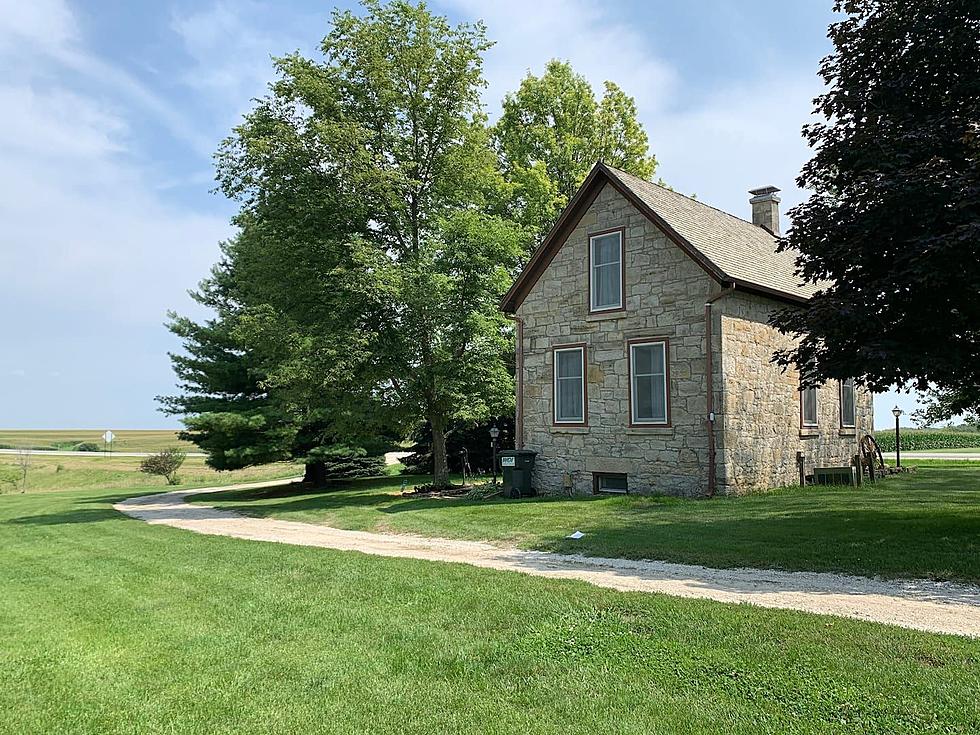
(764, 192)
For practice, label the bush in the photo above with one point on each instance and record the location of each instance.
(924, 440)
(165, 464)
(86, 447)
(341, 462)
(474, 438)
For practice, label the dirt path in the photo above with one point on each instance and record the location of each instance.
(923, 605)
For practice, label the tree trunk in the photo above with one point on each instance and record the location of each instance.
(440, 468)
(316, 474)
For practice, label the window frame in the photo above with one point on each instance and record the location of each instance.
(622, 271)
(639, 342)
(583, 349)
(840, 395)
(816, 409)
(597, 478)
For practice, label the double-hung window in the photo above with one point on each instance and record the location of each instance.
(847, 404)
(808, 401)
(648, 383)
(569, 388)
(606, 271)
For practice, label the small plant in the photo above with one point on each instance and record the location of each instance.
(86, 447)
(165, 464)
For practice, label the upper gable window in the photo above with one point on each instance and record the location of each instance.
(606, 270)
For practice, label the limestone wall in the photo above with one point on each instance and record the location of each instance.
(760, 406)
(665, 295)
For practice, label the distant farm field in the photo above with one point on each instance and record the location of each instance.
(133, 440)
(928, 440)
(48, 473)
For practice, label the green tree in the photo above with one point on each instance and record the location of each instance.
(371, 267)
(551, 133)
(892, 230)
(166, 464)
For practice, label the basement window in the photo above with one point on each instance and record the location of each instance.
(609, 482)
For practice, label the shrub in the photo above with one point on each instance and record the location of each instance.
(924, 440)
(165, 464)
(86, 447)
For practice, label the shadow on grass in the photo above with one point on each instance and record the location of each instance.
(79, 515)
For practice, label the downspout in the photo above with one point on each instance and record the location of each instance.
(710, 380)
(519, 370)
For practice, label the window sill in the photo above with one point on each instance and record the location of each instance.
(808, 432)
(650, 430)
(847, 431)
(598, 316)
(569, 429)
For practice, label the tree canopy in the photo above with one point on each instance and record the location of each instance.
(892, 229)
(553, 130)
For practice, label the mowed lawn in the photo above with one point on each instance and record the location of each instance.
(923, 525)
(111, 625)
(125, 440)
(51, 472)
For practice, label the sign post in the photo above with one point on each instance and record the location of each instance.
(107, 441)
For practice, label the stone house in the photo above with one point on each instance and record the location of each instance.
(644, 348)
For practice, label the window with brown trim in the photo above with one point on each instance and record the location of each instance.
(569, 385)
(649, 382)
(848, 417)
(808, 407)
(606, 270)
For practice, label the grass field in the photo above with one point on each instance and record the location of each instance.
(49, 473)
(925, 524)
(111, 625)
(125, 440)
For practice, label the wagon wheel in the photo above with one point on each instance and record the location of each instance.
(871, 453)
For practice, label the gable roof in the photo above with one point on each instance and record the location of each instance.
(730, 249)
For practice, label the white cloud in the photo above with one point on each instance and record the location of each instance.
(44, 34)
(599, 46)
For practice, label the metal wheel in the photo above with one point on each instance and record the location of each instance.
(871, 454)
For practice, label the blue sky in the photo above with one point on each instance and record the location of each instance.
(113, 109)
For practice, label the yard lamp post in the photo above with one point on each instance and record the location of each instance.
(897, 412)
(494, 433)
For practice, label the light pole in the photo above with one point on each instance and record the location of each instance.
(494, 433)
(897, 412)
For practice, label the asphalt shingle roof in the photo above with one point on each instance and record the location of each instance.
(741, 250)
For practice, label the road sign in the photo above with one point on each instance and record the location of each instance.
(108, 437)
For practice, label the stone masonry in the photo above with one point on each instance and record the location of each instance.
(757, 407)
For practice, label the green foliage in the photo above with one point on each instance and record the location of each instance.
(87, 447)
(919, 440)
(891, 230)
(369, 269)
(938, 405)
(551, 133)
(165, 464)
(342, 462)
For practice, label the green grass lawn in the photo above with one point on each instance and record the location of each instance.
(47, 473)
(925, 524)
(111, 625)
(131, 440)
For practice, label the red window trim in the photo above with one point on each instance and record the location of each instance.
(629, 381)
(585, 384)
(622, 266)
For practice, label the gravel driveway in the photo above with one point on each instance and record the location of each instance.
(939, 607)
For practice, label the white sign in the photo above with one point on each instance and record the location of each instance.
(108, 437)
(508, 461)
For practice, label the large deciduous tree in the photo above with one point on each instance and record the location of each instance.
(373, 267)
(892, 229)
(551, 133)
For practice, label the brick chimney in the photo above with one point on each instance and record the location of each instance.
(765, 208)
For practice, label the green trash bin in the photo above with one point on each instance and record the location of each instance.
(516, 465)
